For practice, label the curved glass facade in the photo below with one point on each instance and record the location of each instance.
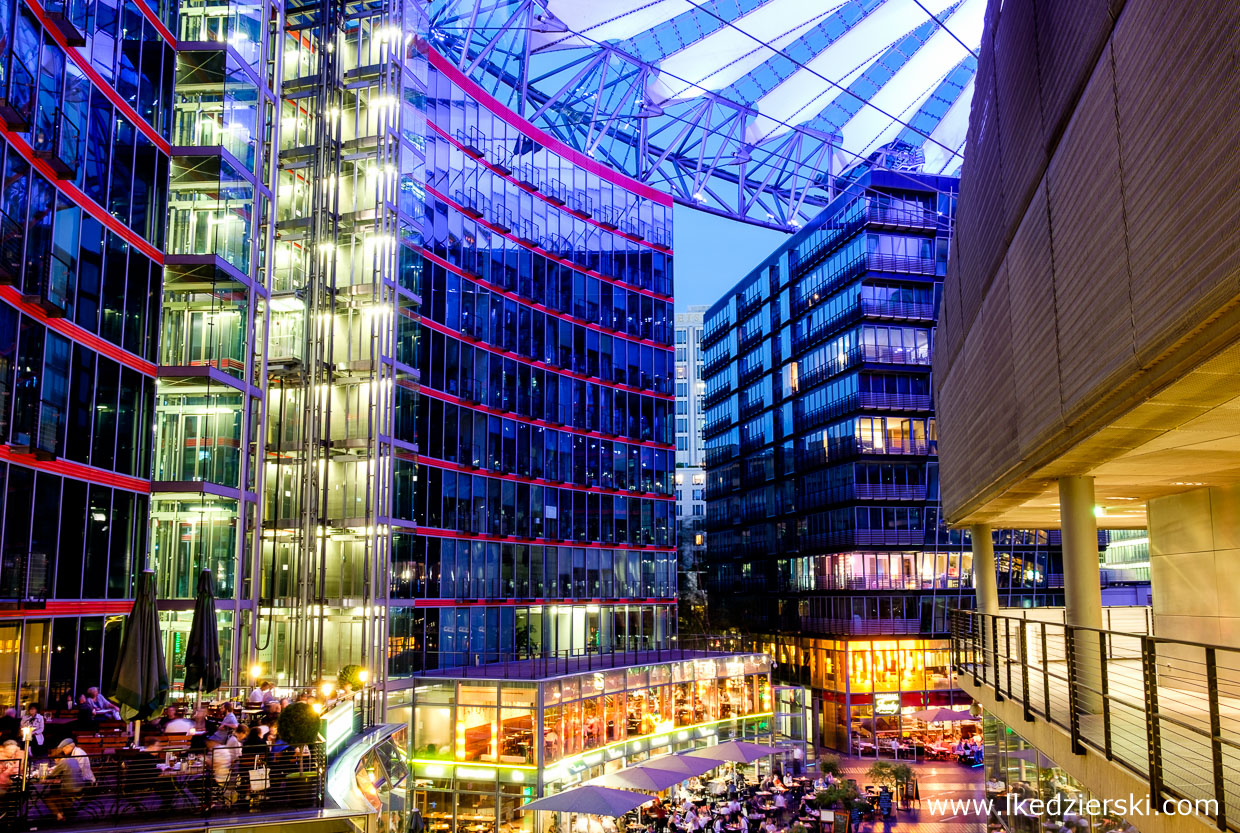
(544, 473)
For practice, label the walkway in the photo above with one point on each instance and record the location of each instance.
(937, 781)
(1119, 724)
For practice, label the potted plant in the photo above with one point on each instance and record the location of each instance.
(830, 765)
(349, 678)
(298, 726)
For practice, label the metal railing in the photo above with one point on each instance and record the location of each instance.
(514, 665)
(17, 93)
(167, 781)
(1168, 710)
(24, 576)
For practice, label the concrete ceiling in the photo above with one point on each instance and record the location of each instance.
(1184, 437)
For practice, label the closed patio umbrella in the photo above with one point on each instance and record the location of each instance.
(140, 681)
(592, 800)
(202, 652)
(736, 751)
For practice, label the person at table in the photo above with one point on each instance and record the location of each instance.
(777, 785)
(11, 757)
(659, 813)
(10, 725)
(223, 754)
(33, 721)
(254, 743)
(72, 775)
(179, 724)
(733, 807)
(260, 694)
(609, 824)
(228, 724)
(101, 707)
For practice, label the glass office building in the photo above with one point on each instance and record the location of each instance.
(544, 469)
(822, 479)
(85, 105)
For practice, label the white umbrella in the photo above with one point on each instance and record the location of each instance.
(684, 765)
(941, 716)
(642, 778)
(592, 800)
(737, 751)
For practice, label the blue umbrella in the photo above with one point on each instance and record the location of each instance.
(202, 652)
(140, 680)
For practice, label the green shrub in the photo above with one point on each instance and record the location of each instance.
(298, 725)
(830, 765)
(351, 674)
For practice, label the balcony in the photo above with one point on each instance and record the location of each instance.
(1165, 713)
(17, 94)
(38, 430)
(69, 18)
(131, 791)
(56, 141)
(11, 244)
(24, 577)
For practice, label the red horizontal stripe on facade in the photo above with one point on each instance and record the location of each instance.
(513, 238)
(543, 308)
(79, 198)
(70, 608)
(90, 72)
(440, 328)
(447, 397)
(78, 334)
(578, 158)
(432, 532)
(535, 481)
(540, 195)
(78, 471)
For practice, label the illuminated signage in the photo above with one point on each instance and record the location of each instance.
(886, 703)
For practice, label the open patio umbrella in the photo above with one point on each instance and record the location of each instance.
(941, 715)
(642, 778)
(592, 800)
(202, 652)
(684, 765)
(736, 751)
(140, 682)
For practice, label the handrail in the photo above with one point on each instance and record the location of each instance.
(1162, 708)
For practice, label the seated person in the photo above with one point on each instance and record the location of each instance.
(11, 758)
(72, 774)
(101, 707)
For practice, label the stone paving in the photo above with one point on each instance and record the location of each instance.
(938, 780)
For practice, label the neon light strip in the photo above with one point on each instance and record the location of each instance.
(71, 608)
(447, 397)
(433, 532)
(573, 266)
(543, 197)
(578, 158)
(517, 478)
(78, 471)
(97, 79)
(79, 198)
(78, 334)
(564, 316)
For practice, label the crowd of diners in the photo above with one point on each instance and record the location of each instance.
(727, 804)
(66, 754)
